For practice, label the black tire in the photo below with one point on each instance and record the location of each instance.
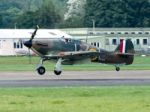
(117, 68)
(57, 72)
(41, 70)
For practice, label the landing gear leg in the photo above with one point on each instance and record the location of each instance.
(40, 69)
(58, 68)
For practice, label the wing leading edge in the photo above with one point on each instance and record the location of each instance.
(75, 54)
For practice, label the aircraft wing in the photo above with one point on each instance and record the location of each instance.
(85, 54)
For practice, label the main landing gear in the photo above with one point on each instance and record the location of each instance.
(57, 70)
(117, 69)
(41, 70)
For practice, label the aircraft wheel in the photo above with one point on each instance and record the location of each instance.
(57, 72)
(117, 68)
(41, 70)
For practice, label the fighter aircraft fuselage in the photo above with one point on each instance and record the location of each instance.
(60, 47)
(55, 46)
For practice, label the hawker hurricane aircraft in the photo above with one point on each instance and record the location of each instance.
(70, 51)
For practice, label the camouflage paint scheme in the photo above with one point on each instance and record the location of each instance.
(71, 51)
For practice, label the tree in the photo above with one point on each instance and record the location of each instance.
(10, 10)
(75, 13)
(118, 13)
(46, 17)
(75, 9)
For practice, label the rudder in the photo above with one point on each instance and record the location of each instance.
(125, 47)
(126, 50)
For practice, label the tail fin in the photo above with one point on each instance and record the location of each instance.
(125, 47)
(126, 51)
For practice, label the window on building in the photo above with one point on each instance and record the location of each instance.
(144, 41)
(97, 44)
(119, 32)
(91, 33)
(105, 33)
(146, 33)
(94, 43)
(15, 45)
(112, 33)
(137, 41)
(126, 33)
(114, 41)
(132, 32)
(139, 32)
(18, 45)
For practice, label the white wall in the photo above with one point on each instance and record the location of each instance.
(6, 47)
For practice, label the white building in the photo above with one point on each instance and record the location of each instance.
(11, 40)
(109, 38)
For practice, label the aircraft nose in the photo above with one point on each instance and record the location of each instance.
(28, 44)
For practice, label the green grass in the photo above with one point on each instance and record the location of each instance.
(22, 64)
(77, 99)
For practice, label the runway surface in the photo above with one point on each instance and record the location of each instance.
(75, 78)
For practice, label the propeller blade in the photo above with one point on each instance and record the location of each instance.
(34, 33)
(29, 42)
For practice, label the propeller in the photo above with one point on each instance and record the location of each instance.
(28, 43)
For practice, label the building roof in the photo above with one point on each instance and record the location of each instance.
(26, 33)
(133, 32)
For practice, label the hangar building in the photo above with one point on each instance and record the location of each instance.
(109, 38)
(11, 40)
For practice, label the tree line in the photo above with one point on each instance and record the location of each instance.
(79, 13)
(118, 13)
(29, 13)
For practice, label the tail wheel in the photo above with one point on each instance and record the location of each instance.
(41, 70)
(57, 72)
(117, 68)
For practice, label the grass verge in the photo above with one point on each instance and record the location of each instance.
(22, 64)
(76, 99)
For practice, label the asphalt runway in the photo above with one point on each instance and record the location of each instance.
(75, 78)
